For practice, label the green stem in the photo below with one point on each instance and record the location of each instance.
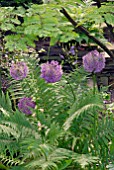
(94, 83)
(3, 52)
(0, 82)
(71, 88)
(95, 114)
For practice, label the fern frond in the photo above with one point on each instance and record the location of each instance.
(88, 102)
(57, 157)
(8, 161)
(5, 103)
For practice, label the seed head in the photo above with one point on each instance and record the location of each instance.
(94, 61)
(51, 72)
(25, 104)
(19, 70)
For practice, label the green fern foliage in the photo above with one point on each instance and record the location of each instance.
(27, 145)
(68, 128)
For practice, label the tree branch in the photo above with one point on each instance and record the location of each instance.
(98, 3)
(86, 32)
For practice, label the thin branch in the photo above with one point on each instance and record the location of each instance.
(98, 3)
(86, 32)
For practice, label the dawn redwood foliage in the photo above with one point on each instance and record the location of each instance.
(43, 21)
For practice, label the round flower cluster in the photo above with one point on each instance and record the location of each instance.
(94, 61)
(51, 72)
(26, 104)
(19, 70)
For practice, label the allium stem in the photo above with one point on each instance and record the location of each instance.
(94, 129)
(94, 83)
(71, 89)
(0, 82)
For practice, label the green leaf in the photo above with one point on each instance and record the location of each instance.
(7, 26)
(109, 18)
(65, 164)
(15, 21)
(3, 167)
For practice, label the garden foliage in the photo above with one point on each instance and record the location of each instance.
(46, 20)
(68, 129)
(69, 126)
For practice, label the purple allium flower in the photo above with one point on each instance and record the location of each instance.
(51, 72)
(19, 70)
(72, 50)
(25, 104)
(93, 61)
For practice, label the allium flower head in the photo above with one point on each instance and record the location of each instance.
(25, 104)
(93, 61)
(19, 70)
(51, 72)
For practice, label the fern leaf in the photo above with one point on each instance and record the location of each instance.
(68, 122)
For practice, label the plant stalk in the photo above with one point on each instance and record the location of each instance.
(94, 84)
